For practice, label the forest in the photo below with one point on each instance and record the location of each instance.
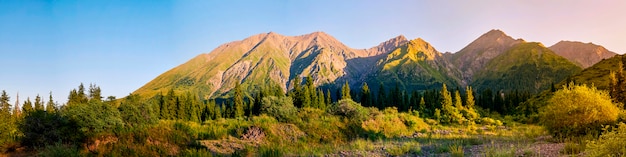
(308, 120)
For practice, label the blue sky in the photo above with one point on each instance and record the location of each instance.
(53, 46)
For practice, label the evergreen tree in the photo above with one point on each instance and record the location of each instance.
(38, 103)
(470, 112)
(82, 98)
(95, 94)
(422, 105)
(366, 99)
(329, 99)
(457, 101)
(238, 101)
(450, 114)
(320, 100)
(27, 107)
(382, 97)
(296, 93)
(312, 94)
(5, 107)
(170, 104)
(51, 106)
(345, 91)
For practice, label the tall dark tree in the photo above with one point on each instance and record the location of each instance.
(382, 97)
(320, 100)
(51, 106)
(170, 104)
(366, 96)
(329, 99)
(296, 93)
(38, 103)
(82, 97)
(238, 101)
(5, 107)
(95, 94)
(345, 91)
(27, 107)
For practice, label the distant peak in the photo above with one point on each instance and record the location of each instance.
(494, 33)
(400, 38)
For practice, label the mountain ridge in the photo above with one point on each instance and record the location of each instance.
(274, 59)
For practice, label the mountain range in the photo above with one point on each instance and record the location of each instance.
(493, 61)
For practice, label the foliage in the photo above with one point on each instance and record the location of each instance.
(93, 118)
(281, 108)
(57, 150)
(610, 143)
(525, 67)
(576, 110)
(41, 128)
(135, 113)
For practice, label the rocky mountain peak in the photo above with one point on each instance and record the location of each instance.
(584, 54)
(387, 46)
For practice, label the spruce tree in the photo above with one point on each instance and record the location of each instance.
(382, 97)
(321, 104)
(38, 103)
(470, 113)
(306, 97)
(95, 94)
(366, 99)
(329, 99)
(449, 113)
(345, 91)
(27, 107)
(5, 107)
(82, 98)
(51, 106)
(238, 101)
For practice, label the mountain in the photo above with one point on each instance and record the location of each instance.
(584, 54)
(416, 65)
(475, 56)
(528, 66)
(268, 58)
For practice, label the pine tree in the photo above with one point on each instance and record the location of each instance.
(422, 106)
(296, 93)
(329, 99)
(27, 107)
(321, 104)
(312, 94)
(457, 101)
(366, 99)
(82, 98)
(170, 104)
(382, 97)
(469, 112)
(51, 106)
(5, 107)
(345, 91)
(450, 114)
(95, 94)
(238, 101)
(38, 103)
(16, 109)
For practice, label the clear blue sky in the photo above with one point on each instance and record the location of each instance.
(53, 46)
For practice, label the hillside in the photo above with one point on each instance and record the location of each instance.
(268, 58)
(525, 67)
(473, 57)
(598, 74)
(584, 54)
(416, 65)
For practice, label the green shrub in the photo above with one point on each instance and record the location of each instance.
(610, 143)
(93, 118)
(137, 114)
(578, 110)
(41, 128)
(406, 148)
(281, 108)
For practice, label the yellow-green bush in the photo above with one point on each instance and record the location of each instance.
(610, 143)
(393, 124)
(578, 110)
